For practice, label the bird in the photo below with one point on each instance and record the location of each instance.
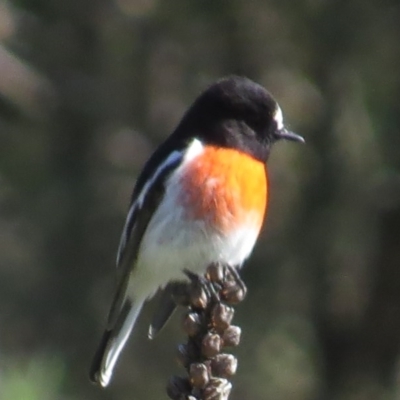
(201, 198)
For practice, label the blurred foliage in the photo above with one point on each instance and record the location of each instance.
(41, 379)
(88, 88)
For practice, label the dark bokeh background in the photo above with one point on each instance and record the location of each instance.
(88, 88)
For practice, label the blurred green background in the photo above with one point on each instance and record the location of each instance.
(88, 88)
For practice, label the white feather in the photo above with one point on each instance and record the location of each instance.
(171, 159)
(195, 149)
(117, 344)
(138, 203)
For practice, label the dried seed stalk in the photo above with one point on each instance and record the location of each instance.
(207, 324)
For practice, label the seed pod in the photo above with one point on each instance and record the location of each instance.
(199, 376)
(211, 345)
(182, 355)
(232, 292)
(217, 389)
(215, 273)
(224, 365)
(198, 298)
(191, 324)
(231, 336)
(221, 316)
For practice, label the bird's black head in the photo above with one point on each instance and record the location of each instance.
(239, 113)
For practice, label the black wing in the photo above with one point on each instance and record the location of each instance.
(147, 195)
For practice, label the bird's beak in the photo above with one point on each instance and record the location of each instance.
(287, 135)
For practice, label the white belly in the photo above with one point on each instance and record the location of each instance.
(173, 243)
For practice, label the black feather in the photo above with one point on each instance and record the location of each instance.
(163, 312)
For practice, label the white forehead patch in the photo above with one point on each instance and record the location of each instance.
(278, 117)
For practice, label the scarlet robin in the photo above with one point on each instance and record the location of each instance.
(200, 199)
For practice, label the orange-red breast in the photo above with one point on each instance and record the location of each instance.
(200, 199)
